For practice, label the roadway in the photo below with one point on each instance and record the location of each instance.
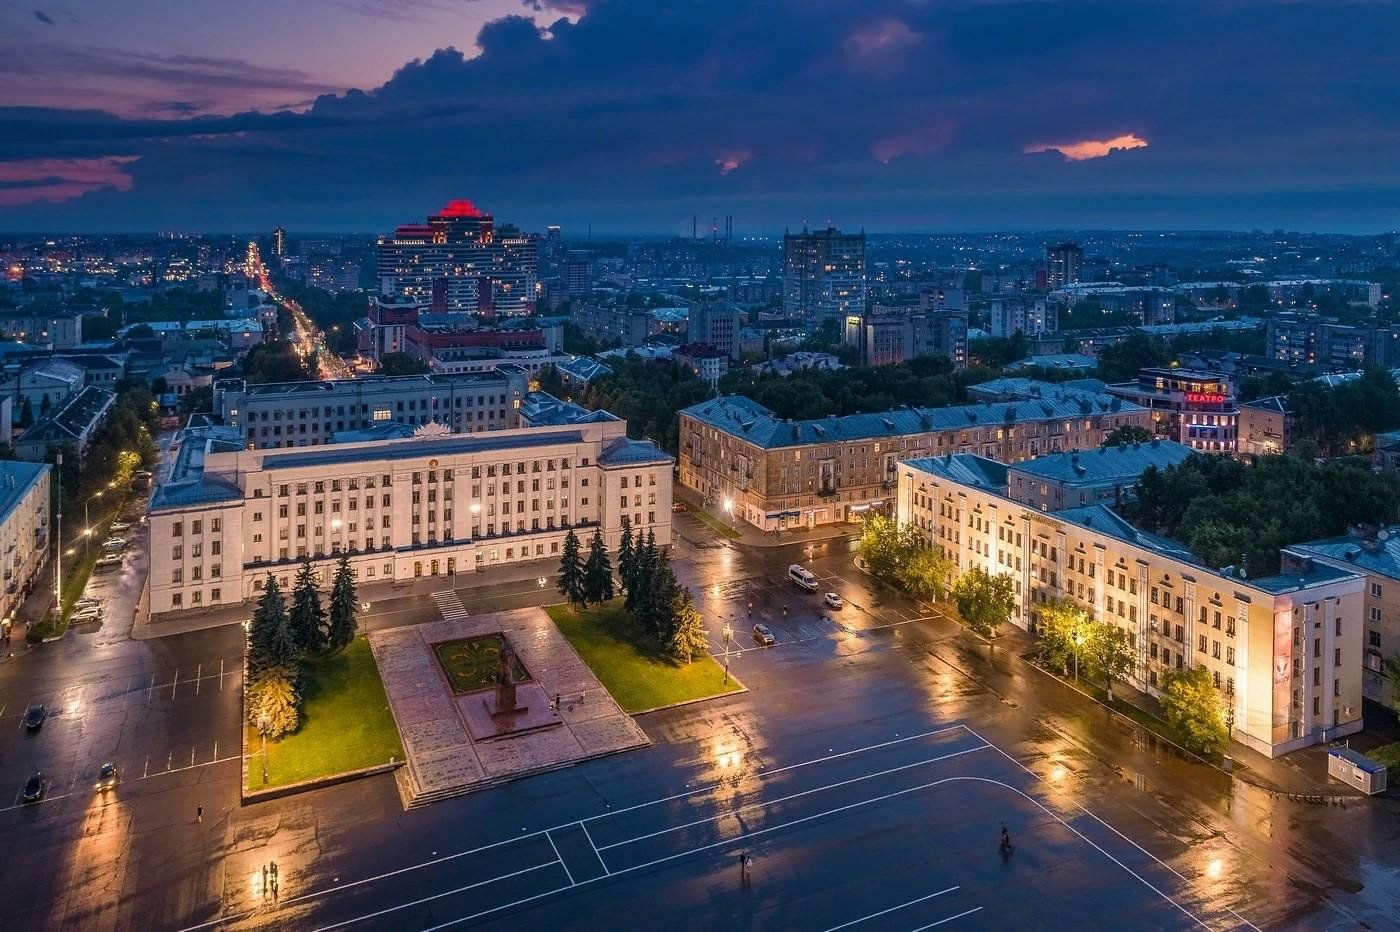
(307, 338)
(867, 770)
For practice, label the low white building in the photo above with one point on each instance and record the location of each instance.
(435, 504)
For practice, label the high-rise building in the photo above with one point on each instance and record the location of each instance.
(1028, 315)
(454, 258)
(714, 324)
(823, 275)
(1064, 265)
(279, 242)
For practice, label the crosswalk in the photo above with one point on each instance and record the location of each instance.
(450, 605)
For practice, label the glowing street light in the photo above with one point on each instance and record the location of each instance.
(728, 634)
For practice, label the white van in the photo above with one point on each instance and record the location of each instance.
(800, 575)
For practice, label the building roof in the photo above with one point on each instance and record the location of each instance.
(585, 369)
(1378, 555)
(541, 409)
(16, 479)
(186, 484)
(1120, 463)
(1277, 403)
(381, 383)
(73, 419)
(411, 448)
(750, 421)
(627, 452)
(965, 468)
(1061, 361)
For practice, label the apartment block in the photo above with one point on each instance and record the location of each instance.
(776, 473)
(1285, 652)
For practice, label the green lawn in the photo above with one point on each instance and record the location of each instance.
(604, 637)
(345, 724)
(470, 663)
(1388, 754)
(76, 571)
(715, 524)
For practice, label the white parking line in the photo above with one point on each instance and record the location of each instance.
(567, 872)
(886, 912)
(438, 896)
(966, 912)
(799, 795)
(596, 853)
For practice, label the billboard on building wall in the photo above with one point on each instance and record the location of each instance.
(1283, 667)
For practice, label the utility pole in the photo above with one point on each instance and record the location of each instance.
(58, 545)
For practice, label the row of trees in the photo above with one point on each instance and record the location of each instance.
(898, 555)
(663, 610)
(279, 640)
(1342, 418)
(646, 394)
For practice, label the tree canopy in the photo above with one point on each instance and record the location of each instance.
(1224, 509)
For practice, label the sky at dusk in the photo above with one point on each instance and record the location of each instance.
(632, 115)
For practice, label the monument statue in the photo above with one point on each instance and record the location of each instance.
(505, 678)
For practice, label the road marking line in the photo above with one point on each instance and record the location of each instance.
(719, 784)
(884, 912)
(487, 912)
(967, 912)
(145, 771)
(596, 853)
(798, 795)
(197, 674)
(1046, 809)
(151, 688)
(567, 873)
(433, 862)
(221, 674)
(174, 683)
(438, 896)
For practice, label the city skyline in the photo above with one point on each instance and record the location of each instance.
(967, 116)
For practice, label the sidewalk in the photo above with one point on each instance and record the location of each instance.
(546, 569)
(751, 536)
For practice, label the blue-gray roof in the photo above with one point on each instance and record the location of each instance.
(413, 448)
(1072, 361)
(541, 409)
(186, 483)
(966, 468)
(750, 421)
(1105, 464)
(1357, 760)
(585, 369)
(627, 452)
(16, 479)
(1375, 555)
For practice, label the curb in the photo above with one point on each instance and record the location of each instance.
(257, 796)
(685, 702)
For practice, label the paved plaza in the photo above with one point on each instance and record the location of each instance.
(443, 758)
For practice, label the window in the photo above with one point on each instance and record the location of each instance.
(177, 575)
(1201, 644)
(1376, 589)
(177, 552)
(177, 600)
(177, 529)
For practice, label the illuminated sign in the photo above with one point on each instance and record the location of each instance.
(1204, 398)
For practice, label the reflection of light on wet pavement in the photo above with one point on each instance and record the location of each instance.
(727, 757)
(1058, 773)
(1214, 868)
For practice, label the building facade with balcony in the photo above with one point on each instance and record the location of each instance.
(777, 474)
(432, 504)
(1193, 406)
(1284, 652)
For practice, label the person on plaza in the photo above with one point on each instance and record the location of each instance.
(1005, 839)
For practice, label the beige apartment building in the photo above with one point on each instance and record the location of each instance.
(777, 474)
(434, 504)
(24, 530)
(1284, 651)
(1375, 552)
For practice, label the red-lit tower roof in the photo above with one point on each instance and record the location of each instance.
(460, 208)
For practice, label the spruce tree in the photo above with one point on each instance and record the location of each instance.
(307, 620)
(269, 640)
(626, 556)
(343, 607)
(570, 583)
(688, 636)
(273, 701)
(643, 562)
(597, 571)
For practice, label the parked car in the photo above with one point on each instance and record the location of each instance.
(86, 601)
(678, 506)
(833, 600)
(34, 717)
(34, 787)
(107, 777)
(115, 543)
(85, 615)
(109, 562)
(119, 526)
(764, 635)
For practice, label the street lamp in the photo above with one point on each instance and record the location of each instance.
(728, 634)
(263, 723)
(1078, 642)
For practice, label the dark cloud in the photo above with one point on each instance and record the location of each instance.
(886, 115)
(43, 17)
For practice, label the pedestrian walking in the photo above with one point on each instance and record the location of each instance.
(748, 868)
(743, 867)
(264, 886)
(199, 813)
